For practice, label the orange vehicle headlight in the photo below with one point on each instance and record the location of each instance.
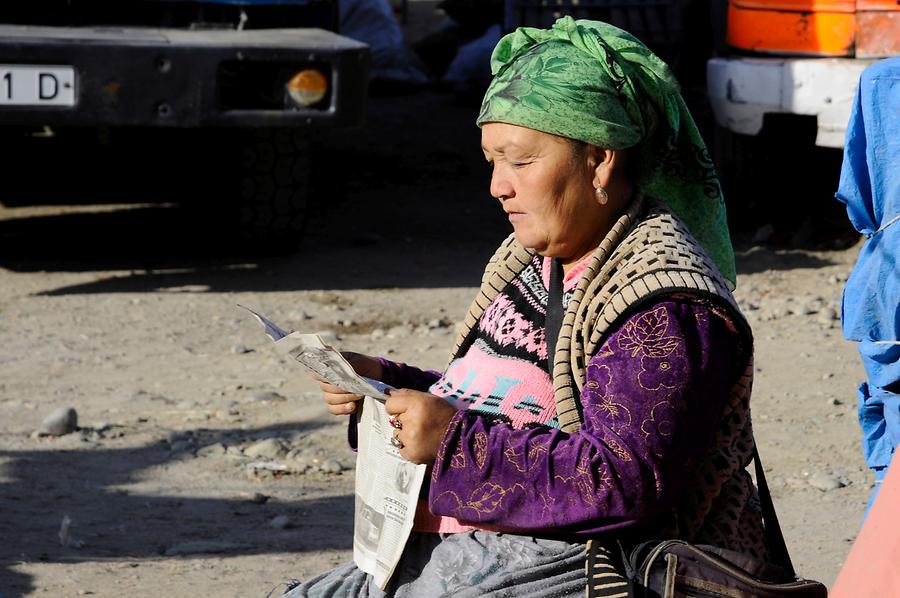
(307, 87)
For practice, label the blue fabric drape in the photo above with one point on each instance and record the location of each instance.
(870, 188)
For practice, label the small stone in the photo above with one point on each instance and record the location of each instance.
(299, 314)
(270, 467)
(827, 375)
(809, 308)
(59, 423)
(399, 331)
(280, 522)
(213, 450)
(258, 498)
(332, 466)
(377, 333)
(299, 467)
(829, 313)
(833, 401)
(268, 395)
(234, 452)
(241, 349)
(270, 448)
(824, 482)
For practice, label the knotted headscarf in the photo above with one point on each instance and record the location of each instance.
(593, 82)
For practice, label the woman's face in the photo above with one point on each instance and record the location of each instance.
(546, 187)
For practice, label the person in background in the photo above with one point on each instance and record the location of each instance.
(870, 313)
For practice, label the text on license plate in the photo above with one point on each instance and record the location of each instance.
(36, 85)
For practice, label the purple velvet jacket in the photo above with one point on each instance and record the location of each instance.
(652, 402)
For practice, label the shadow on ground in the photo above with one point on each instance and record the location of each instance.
(88, 484)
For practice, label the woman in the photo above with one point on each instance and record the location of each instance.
(599, 387)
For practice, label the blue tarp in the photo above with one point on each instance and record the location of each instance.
(870, 187)
(870, 313)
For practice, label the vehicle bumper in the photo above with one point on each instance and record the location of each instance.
(183, 78)
(743, 90)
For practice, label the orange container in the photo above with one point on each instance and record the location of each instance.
(862, 28)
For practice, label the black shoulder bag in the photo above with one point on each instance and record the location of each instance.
(678, 569)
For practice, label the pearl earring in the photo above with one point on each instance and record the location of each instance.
(602, 195)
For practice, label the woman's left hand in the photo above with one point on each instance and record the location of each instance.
(422, 419)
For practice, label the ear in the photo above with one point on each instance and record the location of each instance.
(605, 162)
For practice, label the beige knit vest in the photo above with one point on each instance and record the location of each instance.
(648, 253)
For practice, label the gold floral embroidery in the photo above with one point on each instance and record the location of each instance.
(654, 371)
(604, 351)
(535, 452)
(483, 500)
(458, 460)
(583, 479)
(613, 414)
(481, 448)
(618, 449)
(532, 458)
(442, 450)
(659, 423)
(617, 412)
(512, 457)
(599, 377)
(646, 334)
(547, 507)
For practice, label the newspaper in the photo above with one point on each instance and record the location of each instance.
(387, 485)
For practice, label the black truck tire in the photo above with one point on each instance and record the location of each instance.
(273, 187)
(742, 166)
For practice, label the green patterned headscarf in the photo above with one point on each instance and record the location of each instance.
(590, 81)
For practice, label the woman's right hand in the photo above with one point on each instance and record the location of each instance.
(339, 401)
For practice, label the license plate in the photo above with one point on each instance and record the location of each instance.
(35, 85)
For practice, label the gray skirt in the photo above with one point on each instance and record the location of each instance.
(466, 565)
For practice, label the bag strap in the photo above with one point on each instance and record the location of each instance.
(774, 537)
(555, 312)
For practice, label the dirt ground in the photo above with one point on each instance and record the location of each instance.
(127, 314)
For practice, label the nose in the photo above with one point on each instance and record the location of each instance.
(501, 187)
